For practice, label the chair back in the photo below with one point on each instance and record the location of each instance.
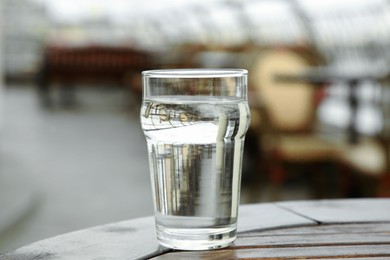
(290, 107)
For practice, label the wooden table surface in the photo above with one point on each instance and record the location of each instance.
(321, 229)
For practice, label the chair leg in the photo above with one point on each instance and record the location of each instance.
(277, 176)
(384, 186)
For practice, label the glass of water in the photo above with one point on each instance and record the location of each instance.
(195, 122)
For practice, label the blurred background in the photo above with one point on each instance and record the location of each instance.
(72, 153)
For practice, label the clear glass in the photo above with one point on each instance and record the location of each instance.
(195, 122)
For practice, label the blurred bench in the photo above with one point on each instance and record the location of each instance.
(68, 66)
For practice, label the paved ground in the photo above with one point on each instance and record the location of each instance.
(80, 167)
(67, 169)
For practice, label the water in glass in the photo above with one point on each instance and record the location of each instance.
(195, 149)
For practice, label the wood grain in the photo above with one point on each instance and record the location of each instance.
(135, 239)
(287, 253)
(268, 216)
(338, 229)
(341, 211)
(313, 242)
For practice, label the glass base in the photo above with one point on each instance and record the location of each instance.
(196, 238)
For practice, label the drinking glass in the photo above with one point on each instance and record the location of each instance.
(195, 121)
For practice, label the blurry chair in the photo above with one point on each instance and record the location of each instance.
(369, 162)
(370, 157)
(285, 115)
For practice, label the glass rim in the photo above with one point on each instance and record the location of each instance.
(195, 73)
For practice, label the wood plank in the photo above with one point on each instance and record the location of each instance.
(137, 238)
(312, 242)
(341, 211)
(356, 258)
(333, 235)
(268, 216)
(365, 251)
(123, 240)
(271, 230)
(355, 228)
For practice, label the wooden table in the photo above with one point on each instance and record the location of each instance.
(347, 228)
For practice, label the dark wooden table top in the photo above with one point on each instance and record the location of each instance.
(321, 229)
